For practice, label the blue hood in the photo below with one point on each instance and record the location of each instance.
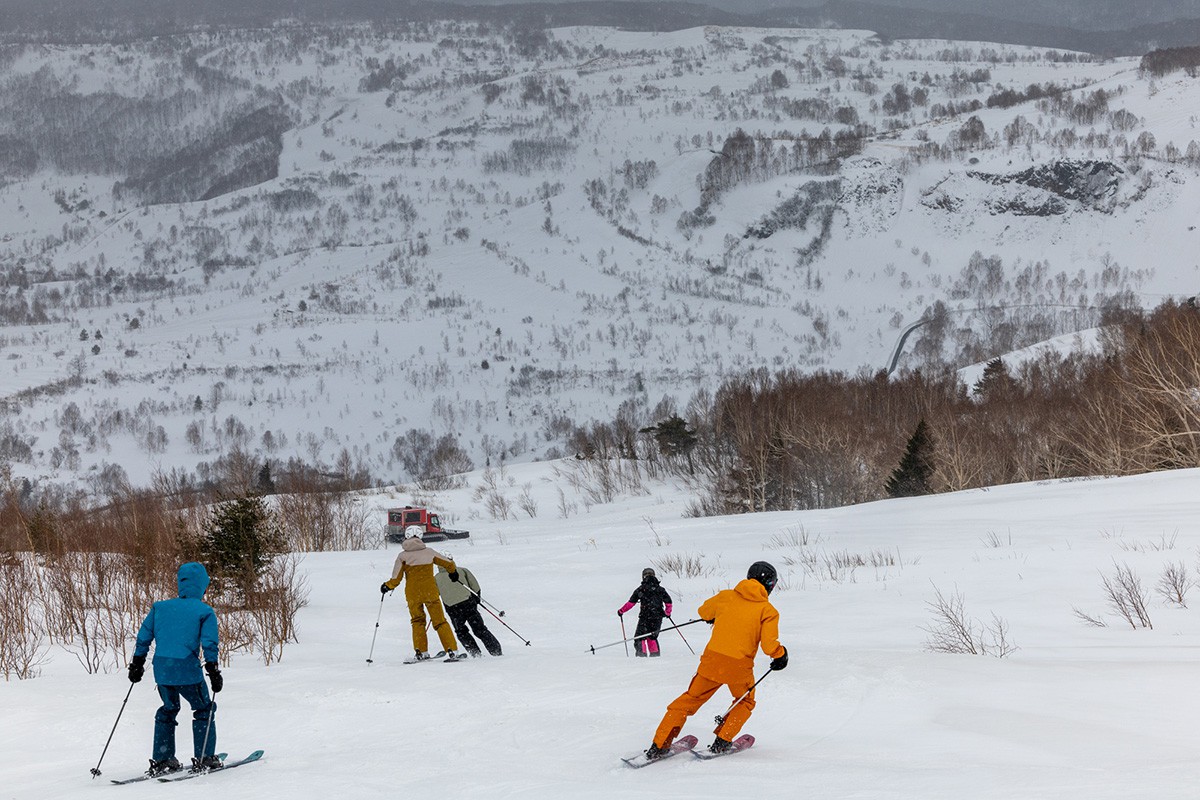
(193, 580)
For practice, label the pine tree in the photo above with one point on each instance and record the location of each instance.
(996, 381)
(239, 541)
(912, 477)
(674, 438)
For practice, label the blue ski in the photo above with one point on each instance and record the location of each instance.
(183, 776)
(145, 776)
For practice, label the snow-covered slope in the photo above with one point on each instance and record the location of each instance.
(478, 234)
(863, 710)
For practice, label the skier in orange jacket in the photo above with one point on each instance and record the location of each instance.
(743, 620)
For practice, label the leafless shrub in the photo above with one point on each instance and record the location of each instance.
(274, 606)
(22, 618)
(794, 536)
(994, 539)
(1162, 544)
(882, 558)
(1174, 584)
(659, 541)
(1126, 596)
(238, 631)
(683, 565)
(601, 480)
(565, 507)
(491, 492)
(1089, 619)
(953, 631)
(526, 502)
(321, 521)
(841, 566)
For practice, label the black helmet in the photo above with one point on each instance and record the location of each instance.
(764, 573)
(648, 573)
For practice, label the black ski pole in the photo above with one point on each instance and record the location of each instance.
(96, 769)
(623, 639)
(681, 636)
(377, 618)
(212, 712)
(502, 622)
(594, 648)
(720, 718)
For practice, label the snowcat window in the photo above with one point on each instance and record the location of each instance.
(433, 520)
(412, 517)
(396, 518)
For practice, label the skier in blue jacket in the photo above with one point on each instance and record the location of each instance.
(180, 629)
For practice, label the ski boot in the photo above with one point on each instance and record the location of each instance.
(206, 764)
(720, 745)
(654, 751)
(164, 766)
(454, 655)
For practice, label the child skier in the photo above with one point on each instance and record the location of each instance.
(421, 592)
(656, 604)
(461, 596)
(743, 620)
(180, 629)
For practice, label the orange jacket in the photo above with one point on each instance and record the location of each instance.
(744, 621)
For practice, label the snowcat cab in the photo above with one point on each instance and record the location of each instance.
(400, 518)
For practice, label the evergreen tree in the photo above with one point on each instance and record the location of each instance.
(996, 381)
(239, 541)
(265, 484)
(674, 438)
(911, 478)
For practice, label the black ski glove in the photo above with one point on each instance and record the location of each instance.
(454, 575)
(384, 588)
(711, 621)
(214, 676)
(781, 662)
(137, 668)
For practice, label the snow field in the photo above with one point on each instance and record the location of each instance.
(862, 711)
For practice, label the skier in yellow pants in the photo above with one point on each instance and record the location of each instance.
(416, 562)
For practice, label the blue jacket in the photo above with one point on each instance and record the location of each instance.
(180, 628)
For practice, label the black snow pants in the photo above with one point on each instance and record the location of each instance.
(465, 618)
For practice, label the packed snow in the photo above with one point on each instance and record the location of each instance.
(864, 710)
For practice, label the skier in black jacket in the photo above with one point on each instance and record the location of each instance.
(656, 604)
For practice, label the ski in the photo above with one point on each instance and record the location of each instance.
(145, 776)
(183, 776)
(442, 657)
(682, 745)
(743, 742)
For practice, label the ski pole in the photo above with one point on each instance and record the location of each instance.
(502, 622)
(379, 617)
(681, 636)
(505, 624)
(212, 712)
(594, 648)
(623, 639)
(720, 718)
(499, 611)
(96, 769)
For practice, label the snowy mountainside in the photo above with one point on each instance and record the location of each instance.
(863, 709)
(495, 236)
